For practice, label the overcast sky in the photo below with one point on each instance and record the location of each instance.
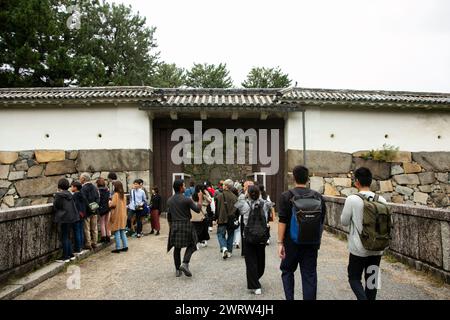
(355, 44)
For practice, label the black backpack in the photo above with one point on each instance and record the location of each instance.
(306, 220)
(256, 230)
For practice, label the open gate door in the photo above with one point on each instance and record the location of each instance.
(183, 176)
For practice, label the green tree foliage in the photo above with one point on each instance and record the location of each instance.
(37, 48)
(168, 75)
(266, 78)
(209, 76)
(33, 51)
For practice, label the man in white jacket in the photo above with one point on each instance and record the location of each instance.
(361, 260)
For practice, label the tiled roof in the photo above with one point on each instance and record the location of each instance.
(215, 97)
(281, 99)
(91, 93)
(319, 96)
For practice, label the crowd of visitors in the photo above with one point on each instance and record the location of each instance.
(85, 206)
(242, 211)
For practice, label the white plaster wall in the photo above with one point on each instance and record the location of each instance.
(122, 127)
(365, 130)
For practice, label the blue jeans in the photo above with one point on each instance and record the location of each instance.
(66, 245)
(225, 237)
(118, 235)
(304, 256)
(78, 235)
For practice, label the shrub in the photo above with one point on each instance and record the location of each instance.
(388, 153)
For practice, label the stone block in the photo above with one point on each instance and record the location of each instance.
(359, 154)
(9, 201)
(386, 186)
(72, 155)
(16, 175)
(35, 171)
(433, 161)
(402, 156)
(374, 186)
(320, 162)
(11, 233)
(411, 167)
(420, 197)
(442, 177)
(32, 163)
(42, 186)
(387, 196)
(21, 165)
(11, 191)
(113, 160)
(349, 191)
(39, 201)
(407, 179)
(144, 175)
(440, 199)
(380, 170)
(4, 184)
(445, 187)
(316, 183)
(60, 167)
(44, 156)
(396, 169)
(330, 190)
(23, 202)
(404, 190)
(27, 155)
(10, 291)
(8, 157)
(3, 192)
(426, 188)
(4, 171)
(405, 235)
(40, 275)
(445, 234)
(427, 177)
(430, 242)
(343, 182)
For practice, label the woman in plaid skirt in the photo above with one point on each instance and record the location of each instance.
(182, 233)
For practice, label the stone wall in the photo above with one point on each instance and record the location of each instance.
(413, 178)
(28, 237)
(31, 177)
(420, 235)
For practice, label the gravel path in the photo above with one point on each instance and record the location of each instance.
(146, 271)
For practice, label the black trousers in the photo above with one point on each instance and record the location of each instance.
(255, 263)
(304, 256)
(370, 266)
(187, 255)
(139, 216)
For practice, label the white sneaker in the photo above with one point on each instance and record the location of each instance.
(210, 229)
(224, 253)
(229, 254)
(204, 244)
(258, 292)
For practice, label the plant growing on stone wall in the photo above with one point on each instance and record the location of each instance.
(388, 153)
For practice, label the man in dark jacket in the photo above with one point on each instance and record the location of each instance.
(65, 214)
(291, 253)
(90, 192)
(225, 212)
(182, 233)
